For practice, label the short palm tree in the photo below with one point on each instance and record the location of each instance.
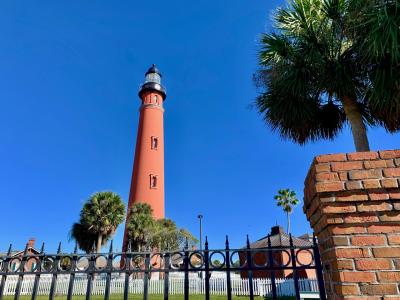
(99, 218)
(140, 225)
(329, 62)
(287, 199)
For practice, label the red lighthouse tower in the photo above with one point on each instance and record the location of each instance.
(147, 184)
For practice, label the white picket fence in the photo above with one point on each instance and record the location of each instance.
(262, 287)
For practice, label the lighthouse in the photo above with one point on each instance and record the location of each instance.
(147, 183)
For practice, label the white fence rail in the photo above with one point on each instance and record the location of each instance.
(262, 287)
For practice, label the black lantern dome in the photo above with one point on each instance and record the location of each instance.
(152, 82)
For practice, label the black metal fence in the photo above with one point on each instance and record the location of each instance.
(269, 263)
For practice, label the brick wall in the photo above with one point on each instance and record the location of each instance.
(353, 204)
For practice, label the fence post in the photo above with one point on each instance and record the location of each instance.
(37, 275)
(127, 258)
(228, 269)
(186, 266)
(5, 268)
(146, 277)
(294, 267)
(53, 286)
(249, 267)
(109, 270)
(166, 275)
(207, 270)
(271, 267)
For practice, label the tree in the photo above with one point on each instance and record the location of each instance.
(99, 218)
(330, 62)
(287, 199)
(162, 234)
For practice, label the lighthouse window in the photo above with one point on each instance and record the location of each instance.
(155, 98)
(153, 181)
(154, 142)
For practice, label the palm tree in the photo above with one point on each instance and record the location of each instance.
(140, 225)
(287, 199)
(99, 218)
(330, 62)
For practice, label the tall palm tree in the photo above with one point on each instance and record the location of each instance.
(99, 218)
(287, 199)
(329, 62)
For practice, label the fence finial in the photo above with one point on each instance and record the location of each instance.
(76, 248)
(26, 248)
(111, 246)
(59, 248)
(129, 246)
(9, 250)
(186, 244)
(226, 242)
(290, 240)
(42, 248)
(206, 243)
(247, 241)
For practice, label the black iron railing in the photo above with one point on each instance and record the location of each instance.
(252, 266)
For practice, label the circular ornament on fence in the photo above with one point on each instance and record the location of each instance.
(65, 263)
(82, 263)
(176, 260)
(118, 262)
(304, 257)
(100, 262)
(196, 260)
(31, 265)
(47, 263)
(217, 259)
(238, 259)
(14, 265)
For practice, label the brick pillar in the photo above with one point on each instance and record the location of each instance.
(353, 204)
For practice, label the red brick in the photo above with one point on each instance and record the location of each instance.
(356, 277)
(383, 228)
(376, 195)
(344, 290)
(390, 216)
(327, 177)
(362, 155)
(346, 166)
(339, 208)
(389, 276)
(329, 186)
(352, 196)
(391, 172)
(364, 264)
(389, 154)
(394, 239)
(368, 240)
(346, 229)
(365, 174)
(389, 183)
(371, 183)
(351, 252)
(343, 176)
(343, 264)
(331, 157)
(379, 289)
(394, 195)
(376, 164)
(364, 218)
(322, 167)
(387, 252)
(397, 162)
(354, 185)
(384, 206)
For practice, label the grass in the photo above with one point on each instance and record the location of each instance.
(151, 297)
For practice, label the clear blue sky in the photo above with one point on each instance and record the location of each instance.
(69, 76)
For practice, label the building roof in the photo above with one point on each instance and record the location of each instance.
(279, 238)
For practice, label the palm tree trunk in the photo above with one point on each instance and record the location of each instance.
(99, 242)
(288, 222)
(353, 114)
